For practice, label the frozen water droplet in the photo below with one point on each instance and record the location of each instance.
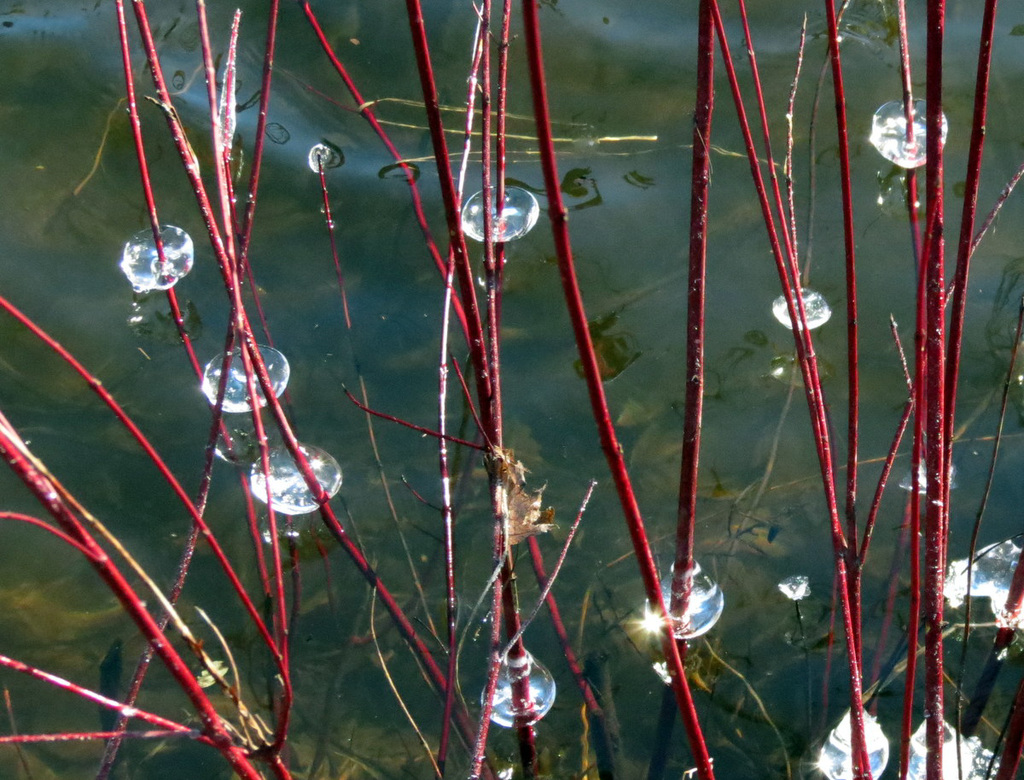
(974, 758)
(992, 571)
(796, 587)
(889, 133)
(288, 490)
(703, 609)
(504, 711)
(836, 758)
(661, 669)
(324, 156)
(815, 307)
(140, 260)
(518, 216)
(236, 392)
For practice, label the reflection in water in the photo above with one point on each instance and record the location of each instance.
(615, 352)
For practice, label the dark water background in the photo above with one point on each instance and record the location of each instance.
(615, 69)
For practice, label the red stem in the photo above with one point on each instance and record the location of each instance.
(1014, 744)
(463, 271)
(134, 606)
(170, 726)
(609, 442)
(366, 111)
(967, 219)
(937, 488)
(789, 278)
(700, 182)
(852, 347)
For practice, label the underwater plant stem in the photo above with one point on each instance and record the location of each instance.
(1015, 594)
(613, 452)
(1013, 747)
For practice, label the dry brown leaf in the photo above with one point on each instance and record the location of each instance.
(520, 508)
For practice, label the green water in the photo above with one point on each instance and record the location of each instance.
(69, 197)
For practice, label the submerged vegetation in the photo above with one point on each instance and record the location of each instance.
(381, 479)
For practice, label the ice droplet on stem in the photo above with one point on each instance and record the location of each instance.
(796, 587)
(974, 758)
(504, 711)
(141, 262)
(236, 391)
(323, 156)
(990, 577)
(889, 133)
(289, 493)
(836, 758)
(519, 214)
(816, 309)
(703, 609)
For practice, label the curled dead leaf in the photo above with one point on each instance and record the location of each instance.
(522, 510)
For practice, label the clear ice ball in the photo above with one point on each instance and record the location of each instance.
(990, 578)
(836, 758)
(703, 609)
(323, 156)
(542, 692)
(518, 216)
(974, 758)
(889, 133)
(815, 307)
(140, 260)
(236, 392)
(796, 587)
(289, 494)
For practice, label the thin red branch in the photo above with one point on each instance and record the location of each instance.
(609, 441)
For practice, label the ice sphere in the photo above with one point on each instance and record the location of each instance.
(324, 156)
(906, 483)
(140, 260)
(974, 759)
(288, 490)
(236, 392)
(518, 216)
(815, 307)
(542, 692)
(703, 609)
(993, 570)
(796, 587)
(889, 133)
(836, 758)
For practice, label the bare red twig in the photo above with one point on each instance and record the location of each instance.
(609, 442)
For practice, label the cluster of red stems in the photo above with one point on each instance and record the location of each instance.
(254, 744)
